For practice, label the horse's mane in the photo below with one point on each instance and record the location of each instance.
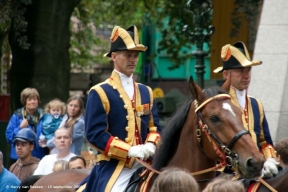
(170, 136)
(171, 133)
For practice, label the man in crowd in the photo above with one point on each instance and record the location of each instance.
(26, 164)
(8, 181)
(77, 162)
(62, 141)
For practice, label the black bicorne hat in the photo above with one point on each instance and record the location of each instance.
(235, 56)
(122, 40)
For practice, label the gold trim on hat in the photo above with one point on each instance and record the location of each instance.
(218, 69)
(246, 51)
(228, 50)
(114, 34)
(132, 45)
(126, 38)
(136, 35)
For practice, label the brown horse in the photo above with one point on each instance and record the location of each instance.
(278, 183)
(206, 129)
(60, 181)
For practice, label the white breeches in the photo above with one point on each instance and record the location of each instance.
(124, 177)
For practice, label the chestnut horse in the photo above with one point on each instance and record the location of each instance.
(64, 181)
(278, 183)
(207, 129)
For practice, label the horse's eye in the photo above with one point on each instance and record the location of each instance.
(214, 118)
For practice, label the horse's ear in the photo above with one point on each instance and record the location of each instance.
(226, 85)
(194, 89)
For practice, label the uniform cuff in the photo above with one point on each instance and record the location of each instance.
(268, 151)
(117, 149)
(153, 137)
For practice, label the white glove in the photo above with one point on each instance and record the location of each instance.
(270, 168)
(137, 151)
(150, 149)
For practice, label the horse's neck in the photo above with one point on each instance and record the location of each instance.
(189, 156)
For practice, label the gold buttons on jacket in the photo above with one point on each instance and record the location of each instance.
(120, 96)
(127, 117)
(116, 138)
(127, 139)
(114, 87)
(127, 128)
(125, 106)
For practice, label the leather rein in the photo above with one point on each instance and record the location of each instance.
(226, 154)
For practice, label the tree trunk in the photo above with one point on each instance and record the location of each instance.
(46, 64)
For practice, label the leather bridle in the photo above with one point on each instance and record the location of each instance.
(228, 157)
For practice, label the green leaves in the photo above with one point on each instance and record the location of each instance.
(12, 13)
(248, 9)
(168, 17)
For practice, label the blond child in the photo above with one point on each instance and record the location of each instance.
(55, 110)
(60, 165)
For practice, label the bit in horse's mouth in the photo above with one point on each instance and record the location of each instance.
(252, 173)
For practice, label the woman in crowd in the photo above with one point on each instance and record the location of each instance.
(224, 185)
(74, 121)
(29, 116)
(175, 180)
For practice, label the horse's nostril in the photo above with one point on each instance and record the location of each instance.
(250, 162)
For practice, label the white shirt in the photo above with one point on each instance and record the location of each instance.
(46, 164)
(127, 83)
(241, 97)
(125, 175)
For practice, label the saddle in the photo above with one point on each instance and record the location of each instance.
(250, 185)
(138, 178)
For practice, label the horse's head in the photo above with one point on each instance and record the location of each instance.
(221, 132)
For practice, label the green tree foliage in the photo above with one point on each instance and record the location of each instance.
(249, 9)
(91, 15)
(14, 9)
(167, 16)
(40, 39)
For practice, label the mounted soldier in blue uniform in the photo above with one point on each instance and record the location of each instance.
(121, 120)
(237, 69)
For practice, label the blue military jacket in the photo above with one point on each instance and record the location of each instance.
(257, 124)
